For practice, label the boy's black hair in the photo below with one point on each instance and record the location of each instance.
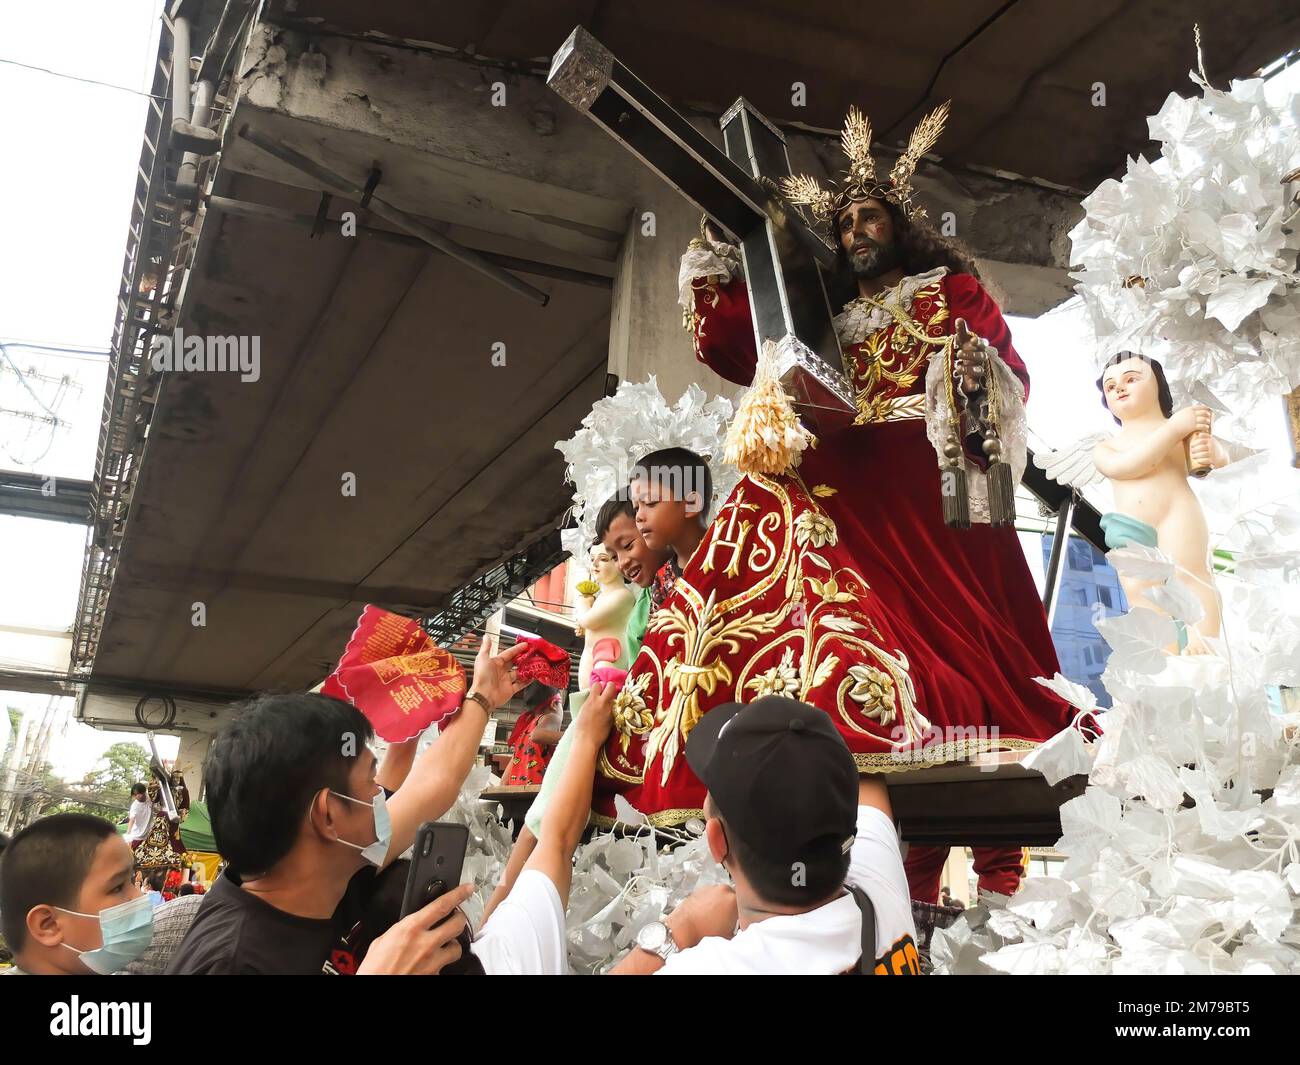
(682, 472)
(265, 767)
(47, 863)
(156, 879)
(185, 889)
(609, 510)
(138, 788)
(1163, 394)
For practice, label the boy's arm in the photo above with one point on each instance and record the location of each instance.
(548, 730)
(570, 806)
(872, 792)
(434, 781)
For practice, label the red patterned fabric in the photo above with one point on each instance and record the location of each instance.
(841, 585)
(543, 661)
(393, 672)
(528, 759)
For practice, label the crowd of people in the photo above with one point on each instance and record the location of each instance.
(313, 828)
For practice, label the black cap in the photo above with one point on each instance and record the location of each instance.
(780, 775)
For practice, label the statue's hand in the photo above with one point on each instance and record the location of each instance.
(971, 362)
(1189, 420)
(1201, 450)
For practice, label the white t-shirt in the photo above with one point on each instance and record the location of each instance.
(137, 826)
(525, 934)
(827, 940)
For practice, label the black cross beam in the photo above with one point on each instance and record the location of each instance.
(781, 253)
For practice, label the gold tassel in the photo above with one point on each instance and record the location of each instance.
(765, 436)
(956, 503)
(1002, 494)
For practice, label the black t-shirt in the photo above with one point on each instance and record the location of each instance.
(235, 932)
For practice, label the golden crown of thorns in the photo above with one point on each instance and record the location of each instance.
(860, 179)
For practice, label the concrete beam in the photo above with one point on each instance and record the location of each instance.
(536, 168)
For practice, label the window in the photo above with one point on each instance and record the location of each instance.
(1080, 555)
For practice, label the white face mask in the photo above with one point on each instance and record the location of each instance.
(376, 852)
(126, 930)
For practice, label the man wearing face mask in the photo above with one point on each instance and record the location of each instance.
(302, 816)
(68, 906)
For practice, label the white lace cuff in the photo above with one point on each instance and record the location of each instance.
(1012, 427)
(706, 258)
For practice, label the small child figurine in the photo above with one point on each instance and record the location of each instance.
(1148, 462)
(603, 619)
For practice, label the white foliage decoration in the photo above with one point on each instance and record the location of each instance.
(1183, 853)
(628, 425)
(621, 880)
(1192, 260)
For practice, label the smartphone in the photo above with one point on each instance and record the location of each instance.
(436, 863)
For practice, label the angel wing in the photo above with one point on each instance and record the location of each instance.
(1072, 465)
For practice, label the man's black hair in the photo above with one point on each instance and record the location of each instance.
(267, 765)
(156, 879)
(681, 472)
(609, 510)
(1163, 395)
(185, 889)
(47, 863)
(814, 881)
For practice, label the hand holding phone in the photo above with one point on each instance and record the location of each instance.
(436, 863)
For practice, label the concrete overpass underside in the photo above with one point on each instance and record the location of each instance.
(376, 352)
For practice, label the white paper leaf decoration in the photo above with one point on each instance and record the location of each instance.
(1139, 639)
(1141, 562)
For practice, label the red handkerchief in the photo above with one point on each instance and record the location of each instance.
(543, 661)
(393, 672)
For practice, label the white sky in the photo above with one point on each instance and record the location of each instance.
(70, 151)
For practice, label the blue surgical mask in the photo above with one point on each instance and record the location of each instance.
(375, 852)
(127, 931)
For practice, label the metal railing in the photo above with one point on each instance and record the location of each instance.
(160, 245)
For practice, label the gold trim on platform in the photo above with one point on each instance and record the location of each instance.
(927, 757)
(663, 819)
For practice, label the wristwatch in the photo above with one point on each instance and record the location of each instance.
(480, 699)
(657, 938)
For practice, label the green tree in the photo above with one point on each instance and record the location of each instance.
(57, 796)
(122, 765)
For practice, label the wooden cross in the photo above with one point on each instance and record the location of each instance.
(781, 253)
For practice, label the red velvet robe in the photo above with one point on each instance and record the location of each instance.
(839, 584)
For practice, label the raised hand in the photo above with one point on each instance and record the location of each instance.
(596, 718)
(494, 675)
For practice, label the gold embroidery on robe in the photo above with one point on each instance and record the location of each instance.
(889, 361)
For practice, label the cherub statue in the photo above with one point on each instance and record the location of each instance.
(1148, 462)
(602, 618)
